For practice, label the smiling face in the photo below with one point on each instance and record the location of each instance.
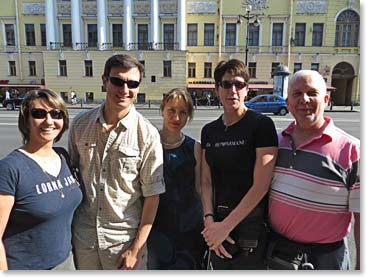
(43, 130)
(232, 98)
(175, 115)
(307, 99)
(120, 98)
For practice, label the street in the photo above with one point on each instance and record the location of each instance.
(10, 137)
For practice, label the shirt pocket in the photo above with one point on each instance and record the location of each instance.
(129, 161)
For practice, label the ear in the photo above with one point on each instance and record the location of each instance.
(104, 81)
(326, 99)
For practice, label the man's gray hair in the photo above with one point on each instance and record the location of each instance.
(321, 85)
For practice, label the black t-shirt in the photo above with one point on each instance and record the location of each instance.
(231, 154)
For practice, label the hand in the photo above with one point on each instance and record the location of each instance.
(128, 260)
(215, 233)
(222, 252)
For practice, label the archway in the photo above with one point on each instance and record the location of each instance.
(342, 80)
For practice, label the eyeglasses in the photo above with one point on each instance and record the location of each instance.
(229, 84)
(42, 113)
(119, 82)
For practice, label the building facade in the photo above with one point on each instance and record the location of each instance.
(64, 44)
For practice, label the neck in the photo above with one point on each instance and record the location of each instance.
(232, 117)
(171, 139)
(113, 116)
(39, 150)
(301, 135)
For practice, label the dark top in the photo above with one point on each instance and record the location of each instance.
(179, 218)
(38, 233)
(231, 154)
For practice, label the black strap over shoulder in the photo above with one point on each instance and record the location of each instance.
(64, 154)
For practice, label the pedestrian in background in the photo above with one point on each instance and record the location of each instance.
(175, 241)
(38, 193)
(120, 158)
(239, 153)
(315, 191)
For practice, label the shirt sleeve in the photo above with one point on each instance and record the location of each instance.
(151, 172)
(354, 182)
(266, 134)
(8, 178)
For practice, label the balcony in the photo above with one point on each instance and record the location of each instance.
(166, 46)
(140, 46)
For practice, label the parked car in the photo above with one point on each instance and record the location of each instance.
(268, 103)
(12, 103)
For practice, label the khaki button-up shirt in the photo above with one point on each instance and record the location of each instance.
(119, 168)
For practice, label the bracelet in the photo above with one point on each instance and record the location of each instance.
(209, 214)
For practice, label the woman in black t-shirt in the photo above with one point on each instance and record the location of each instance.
(239, 154)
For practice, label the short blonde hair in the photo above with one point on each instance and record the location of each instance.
(179, 94)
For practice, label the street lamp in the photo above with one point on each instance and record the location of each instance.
(248, 16)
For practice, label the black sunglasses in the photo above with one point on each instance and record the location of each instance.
(229, 84)
(119, 82)
(42, 113)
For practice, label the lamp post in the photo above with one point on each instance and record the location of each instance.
(248, 16)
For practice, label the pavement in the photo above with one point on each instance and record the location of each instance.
(155, 105)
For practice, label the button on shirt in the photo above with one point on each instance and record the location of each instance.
(119, 168)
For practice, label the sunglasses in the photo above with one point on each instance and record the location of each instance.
(42, 113)
(119, 82)
(229, 84)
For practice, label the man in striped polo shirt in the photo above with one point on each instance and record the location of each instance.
(315, 190)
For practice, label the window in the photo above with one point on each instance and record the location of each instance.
(30, 37)
(43, 34)
(92, 35)
(143, 37)
(62, 68)
(300, 34)
(10, 34)
(207, 70)
(192, 70)
(297, 67)
(274, 98)
(315, 66)
(277, 39)
(208, 34)
(32, 68)
(12, 68)
(88, 68)
(117, 35)
(317, 34)
(167, 68)
(192, 34)
(274, 68)
(252, 70)
(230, 34)
(66, 33)
(168, 36)
(143, 63)
(347, 29)
(253, 35)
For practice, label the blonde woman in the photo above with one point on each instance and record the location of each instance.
(175, 241)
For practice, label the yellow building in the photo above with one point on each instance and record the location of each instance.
(64, 44)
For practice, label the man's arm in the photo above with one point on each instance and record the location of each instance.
(129, 259)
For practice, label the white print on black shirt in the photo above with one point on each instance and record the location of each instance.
(55, 185)
(227, 143)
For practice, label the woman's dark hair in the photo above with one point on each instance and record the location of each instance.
(234, 67)
(53, 98)
(124, 62)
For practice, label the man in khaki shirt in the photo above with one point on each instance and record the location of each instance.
(120, 158)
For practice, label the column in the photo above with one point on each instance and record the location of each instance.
(127, 23)
(76, 24)
(51, 26)
(154, 22)
(181, 24)
(102, 24)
